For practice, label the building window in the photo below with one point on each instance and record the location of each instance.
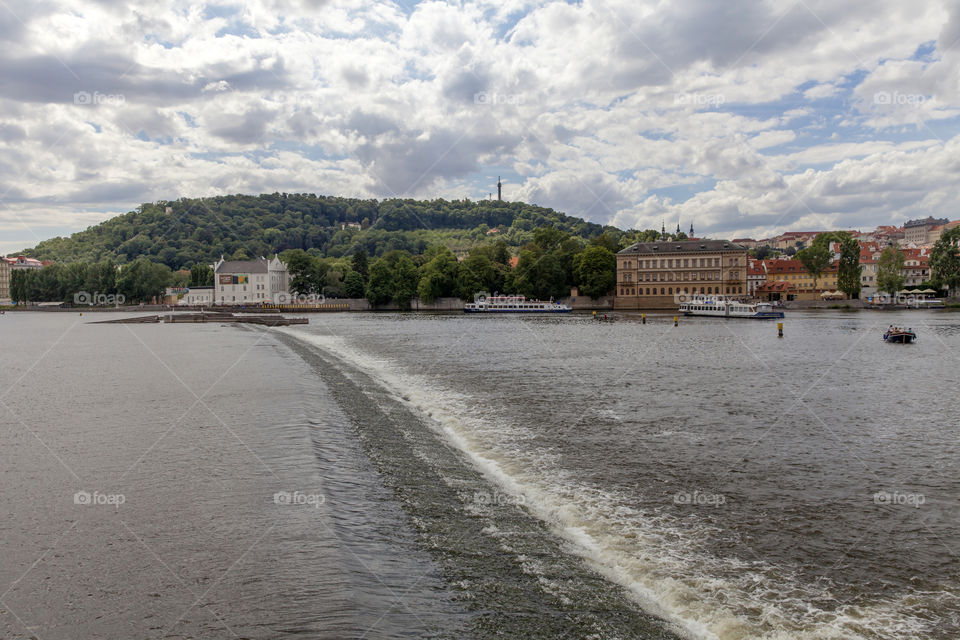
(662, 291)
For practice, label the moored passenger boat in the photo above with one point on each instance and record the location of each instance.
(513, 304)
(718, 308)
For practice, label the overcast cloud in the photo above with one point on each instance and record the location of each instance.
(743, 117)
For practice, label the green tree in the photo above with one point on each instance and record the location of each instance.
(501, 253)
(815, 259)
(359, 264)
(353, 286)
(890, 271)
(201, 275)
(945, 259)
(307, 273)
(595, 270)
(438, 276)
(849, 274)
(539, 274)
(607, 240)
(380, 287)
(848, 266)
(762, 253)
(404, 282)
(18, 286)
(142, 280)
(476, 274)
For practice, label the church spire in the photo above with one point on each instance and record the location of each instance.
(691, 229)
(663, 228)
(678, 227)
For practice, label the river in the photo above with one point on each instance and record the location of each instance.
(441, 475)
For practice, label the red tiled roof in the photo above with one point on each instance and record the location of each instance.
(791, 266)
(776, 286)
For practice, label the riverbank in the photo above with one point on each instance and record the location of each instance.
(578, 303)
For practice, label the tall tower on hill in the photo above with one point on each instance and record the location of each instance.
(499, 189)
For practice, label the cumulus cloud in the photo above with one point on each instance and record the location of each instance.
(747, 118)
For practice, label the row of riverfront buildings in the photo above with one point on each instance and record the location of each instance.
(654, 275)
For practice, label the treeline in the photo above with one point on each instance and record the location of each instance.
(100, 282)
(190, 231)
(546, 267)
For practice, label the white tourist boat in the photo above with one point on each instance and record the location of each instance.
(729, 309)
(513, 304)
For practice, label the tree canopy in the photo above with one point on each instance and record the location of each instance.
(848, 266)
(890, 271)
(945, 259)
(189, 231)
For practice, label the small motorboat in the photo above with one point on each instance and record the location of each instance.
(899, 335)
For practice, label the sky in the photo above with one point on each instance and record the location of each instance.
(743, 118)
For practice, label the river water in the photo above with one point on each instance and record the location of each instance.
(450, 476)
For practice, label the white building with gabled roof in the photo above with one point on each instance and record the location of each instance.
(250, 281)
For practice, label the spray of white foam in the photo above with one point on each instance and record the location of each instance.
(660, 560)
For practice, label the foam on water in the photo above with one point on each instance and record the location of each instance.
(660, 559)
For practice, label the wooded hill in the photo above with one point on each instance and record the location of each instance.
(191, 231)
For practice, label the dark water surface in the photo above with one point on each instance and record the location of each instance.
(481, 477)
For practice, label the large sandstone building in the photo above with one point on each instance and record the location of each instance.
(654, 275)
